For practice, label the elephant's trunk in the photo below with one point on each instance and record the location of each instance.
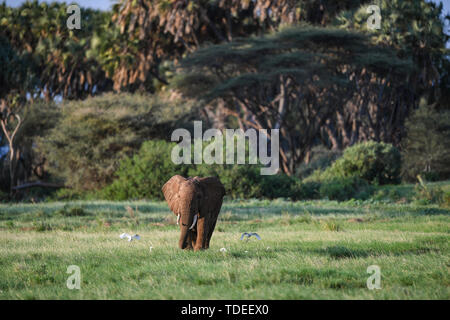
(183, 238)
(188, 220)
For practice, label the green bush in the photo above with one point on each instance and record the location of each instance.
(279, 186)
(93, 135)
(143, 175)
(321, 158)
(342, 189)
(308, 190)
(240, 181)
(350, 176)
(246, 181)
(376, 162)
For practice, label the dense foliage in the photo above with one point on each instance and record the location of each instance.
(143, 175)
(427, 144)
(312, 69)
(375, 162)
(294, 80)
(85, 147)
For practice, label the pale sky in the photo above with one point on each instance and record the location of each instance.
(94, 4)
(106, 4)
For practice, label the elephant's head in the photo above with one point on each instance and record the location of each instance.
(190, 200)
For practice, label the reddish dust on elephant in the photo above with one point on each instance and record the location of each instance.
(196, 202)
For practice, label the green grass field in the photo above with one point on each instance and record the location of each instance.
(309, 250)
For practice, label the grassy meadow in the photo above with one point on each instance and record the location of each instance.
(309, 250)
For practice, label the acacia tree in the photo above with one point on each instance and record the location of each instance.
(293, 80)
(142, 34)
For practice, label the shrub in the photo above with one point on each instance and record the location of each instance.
(321, 159)
(93, 135)
(144, 174)
(305, 190)
(240, 181)
(350, 176)
(342, 189)
(279, 186)
(375, 162)
(246, 181)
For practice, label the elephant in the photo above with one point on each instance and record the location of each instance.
(196, 202)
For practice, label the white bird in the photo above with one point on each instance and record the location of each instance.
(151, 246)
(250, 234)
(223, 250)
(129, 236)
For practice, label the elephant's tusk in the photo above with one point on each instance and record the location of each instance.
(195, 221)
(178, 219)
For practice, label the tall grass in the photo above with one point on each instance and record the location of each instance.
(309, 250)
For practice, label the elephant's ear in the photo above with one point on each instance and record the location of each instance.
(213, 192)
(170, 190)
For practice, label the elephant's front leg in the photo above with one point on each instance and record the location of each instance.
(192, 238)
(202, 232)
(189, 243)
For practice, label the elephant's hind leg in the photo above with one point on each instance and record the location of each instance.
(210, 232)
(202, 232)
(213, 222)
(190, 241)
